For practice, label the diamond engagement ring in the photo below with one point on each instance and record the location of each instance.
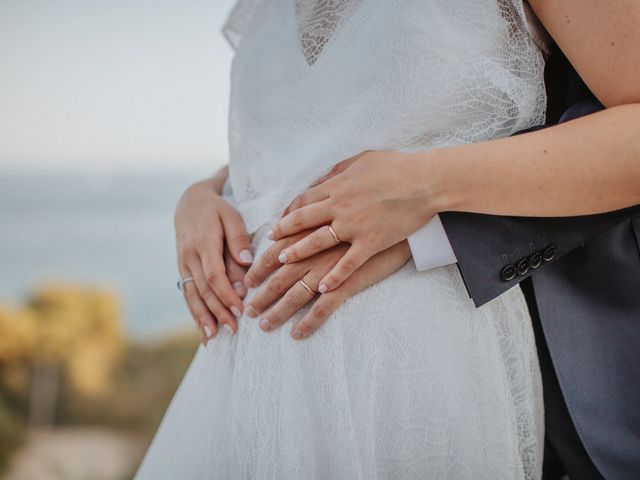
(182, 282)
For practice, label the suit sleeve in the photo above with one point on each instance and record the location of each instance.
(496, 252)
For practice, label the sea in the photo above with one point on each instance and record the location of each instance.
(98, 230)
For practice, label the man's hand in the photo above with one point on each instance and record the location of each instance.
(283, 294)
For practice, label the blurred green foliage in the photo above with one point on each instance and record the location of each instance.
(12, 432)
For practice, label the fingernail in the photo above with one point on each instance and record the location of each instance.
(246, 256)
(239, 288)
(236, 312)
(270, 234)
(283, 256)
(265, 325)
(227, 329)
(207, 331)
(251, 312)
(297, 334)
(323, 288)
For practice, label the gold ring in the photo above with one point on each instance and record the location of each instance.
(334, 234)
(307, 287)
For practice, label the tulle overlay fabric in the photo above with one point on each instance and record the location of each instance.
(316, 82)
(407, 379)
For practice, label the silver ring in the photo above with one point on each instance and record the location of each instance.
(307, 287)
(334, 234)
(182, 282)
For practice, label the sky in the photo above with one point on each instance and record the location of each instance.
(113, 85)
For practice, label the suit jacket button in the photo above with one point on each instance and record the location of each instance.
(535, 260)
(549, 253)
(523, 266)
(508, 273)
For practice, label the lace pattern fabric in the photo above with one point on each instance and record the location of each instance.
(407, 379)
(333, 78)
(317, 21)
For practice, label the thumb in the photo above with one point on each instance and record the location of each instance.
(238, 242)
(339, 168)
(336, 170)
(236, 274)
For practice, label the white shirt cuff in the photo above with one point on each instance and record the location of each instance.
(430, 246)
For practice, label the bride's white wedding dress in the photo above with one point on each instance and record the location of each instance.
(407, 379)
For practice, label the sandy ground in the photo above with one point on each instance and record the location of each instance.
(77, 454)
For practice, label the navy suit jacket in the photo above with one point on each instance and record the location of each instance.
(585, 273)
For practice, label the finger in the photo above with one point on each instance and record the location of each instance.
(377, 268)
(292, 301)
(338, 168)
(215, 275)
(235, 273)
(345, 267)
(197, 308)
(238, 242)
(301, 219)
(199, 311)
(274, 288)
(319, 312)
(216, 307)
(186, 273)
(330, 174)
(313, 194)
(268, 261)
(317, 241)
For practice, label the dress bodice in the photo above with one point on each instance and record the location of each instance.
(316, 82)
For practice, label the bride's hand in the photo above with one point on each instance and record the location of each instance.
(372, 201)
(284, 293)
(213, 248)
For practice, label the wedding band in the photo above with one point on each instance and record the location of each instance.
(334, 234)
(182, 282)
(307, 287)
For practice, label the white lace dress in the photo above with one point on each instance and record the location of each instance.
(407, 380)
